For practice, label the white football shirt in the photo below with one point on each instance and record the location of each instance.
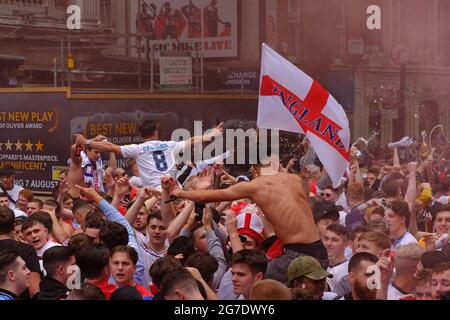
(154, 159)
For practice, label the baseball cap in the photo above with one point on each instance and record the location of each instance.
(325, 209)
(251, 225)
(306, 266)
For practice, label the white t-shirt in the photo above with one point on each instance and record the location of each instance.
(154, 159)
(40, 253)
(405, 239)
(19, 213)
(93, 175)
(150, 256)
(14, 194)
(338, 272)
(226, 290)
(394, 292)
(348, 253)
(342, 215)
(444, 199)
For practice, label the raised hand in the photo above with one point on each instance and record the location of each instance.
(80, 139)
(231, 223)
(218, 169)
(149, 192)
(207, 218)
(412, 167)
(217, 131)
(166, 183)
(204, 180)
(109, 180)
(89, 194)
(64, 187)
(122, 186)
(100, 138)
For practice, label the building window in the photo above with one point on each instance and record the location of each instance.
(293, 40)
(293, 8)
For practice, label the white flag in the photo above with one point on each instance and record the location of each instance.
(292, 101)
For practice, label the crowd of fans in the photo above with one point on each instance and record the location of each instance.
(383, 233)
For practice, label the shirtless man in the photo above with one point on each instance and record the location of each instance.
(283, 201)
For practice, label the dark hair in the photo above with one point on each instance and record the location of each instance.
(39, 217)
(162, 267)
(181, 245)
(92, 260)
(6, 220)
(113, 234)
(79, 241)
(423, 276)
(38, 201)
(255, 260)
(442, 267)
(87, 292)
(390, 187)
(126, 293)
(401, 208)
(374, 170)
(132, 254)
(95, 219)
(195, 228)
(368, 193)
(4, 195)
(339, 230)
(358, 229)
(155, 215)
(67, 197)
(78, 204)
(55, 256)
(378, 210)
(7, 171)
(7, 261)
(205, 263)
(180, 278)
(431, 259)
(357, 258)
(148, 128)
(443, 208)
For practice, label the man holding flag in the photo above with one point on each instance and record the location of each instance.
(291, 101)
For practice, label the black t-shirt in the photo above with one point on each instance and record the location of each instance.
(26, 251)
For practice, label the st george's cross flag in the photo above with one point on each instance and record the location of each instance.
(292, 101)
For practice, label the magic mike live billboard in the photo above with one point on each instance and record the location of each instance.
(209, 26)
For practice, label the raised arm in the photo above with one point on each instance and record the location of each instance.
(177, 224)
(217, 131)
(168, 213)
(411, 195)
(99, 145)
(145, 194)
(238, 191)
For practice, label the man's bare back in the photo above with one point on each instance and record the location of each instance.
(282, 199)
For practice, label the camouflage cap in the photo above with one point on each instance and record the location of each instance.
(306, 266)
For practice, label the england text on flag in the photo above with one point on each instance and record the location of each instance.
(292, 101)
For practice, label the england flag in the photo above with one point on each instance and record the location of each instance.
(292, 101)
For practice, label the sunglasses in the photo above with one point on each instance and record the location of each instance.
(325, 195)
